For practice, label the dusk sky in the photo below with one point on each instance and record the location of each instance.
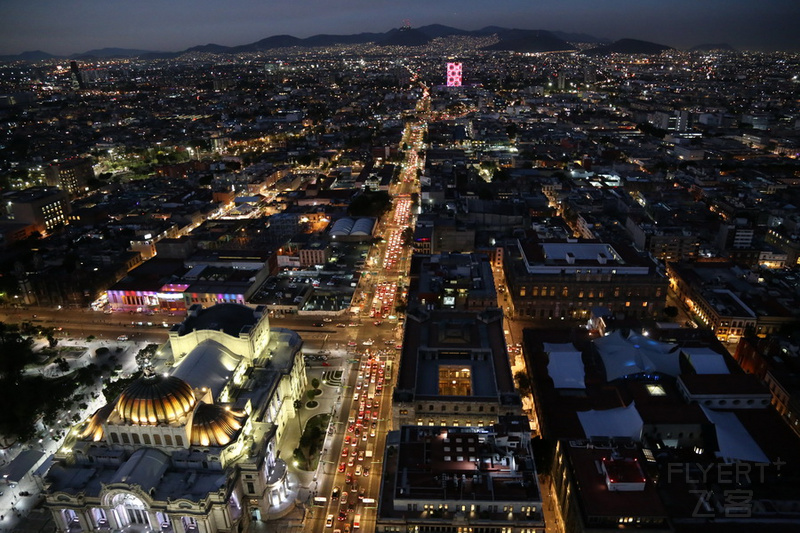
(64, 27)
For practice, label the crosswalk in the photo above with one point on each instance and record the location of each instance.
(332, 377)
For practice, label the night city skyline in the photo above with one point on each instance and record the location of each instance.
(62, 28)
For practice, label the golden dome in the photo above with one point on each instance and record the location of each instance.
(213, 425)
(155, 400)
(94, 427)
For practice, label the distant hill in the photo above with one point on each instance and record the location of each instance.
(112, 52)
(723, 47)
(629, 46)
(35, 55)
(438, 30)
(580, 37)
(517, 40)
(276, 41)
(404, 37)
(529, 41)
(210, 48)
(330, 40)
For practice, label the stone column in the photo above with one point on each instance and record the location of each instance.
(58, 518)
(177, 524)
(83, 521)
(154, 522)
(112, 518)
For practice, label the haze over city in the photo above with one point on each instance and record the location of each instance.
(64, 28)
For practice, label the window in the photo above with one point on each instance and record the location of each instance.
(146, 438)
(157, 440)
(126, 439)
(178, 440)
(136, 439)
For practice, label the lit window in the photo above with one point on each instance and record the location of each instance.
(655, 390)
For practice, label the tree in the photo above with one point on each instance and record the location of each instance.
(523, 382)
(670, 311)
(315, 383)
(17, 351)
(408, 236)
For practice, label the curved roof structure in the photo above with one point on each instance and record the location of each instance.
(154, 400)
(213, 425)
(343, 226)
(94, 428)
(350, 226)
(209, 364)
(144, 467)
(363, 226)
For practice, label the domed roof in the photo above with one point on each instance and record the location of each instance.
(213, 425)
(94, 427)
(155, 400)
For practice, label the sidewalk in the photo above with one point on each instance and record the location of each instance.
(304, 485)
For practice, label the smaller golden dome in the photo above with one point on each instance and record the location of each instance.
(155, 399)
(94, 427)
(213, 425)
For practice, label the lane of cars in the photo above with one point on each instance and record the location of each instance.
(358, 444)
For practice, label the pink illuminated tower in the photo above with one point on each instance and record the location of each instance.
(454, 74)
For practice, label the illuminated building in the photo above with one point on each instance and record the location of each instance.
(454, 370)
(193, 449)
(462, 479)
(566, 278)
(71, 175)
(454, 74)
(44, 207)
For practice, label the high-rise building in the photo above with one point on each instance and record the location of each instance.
(454, 74)
(71, 175)
(75, 76)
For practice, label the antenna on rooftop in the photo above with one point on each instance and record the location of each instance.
(406, 25)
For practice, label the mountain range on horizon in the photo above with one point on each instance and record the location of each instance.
(516, 40)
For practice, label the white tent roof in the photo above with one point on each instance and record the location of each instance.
(706, 361)
(618, 422)
(209, 364)
(735, 442)
(625, 356)
(566, 369)
(551, 347)
(565, 366)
